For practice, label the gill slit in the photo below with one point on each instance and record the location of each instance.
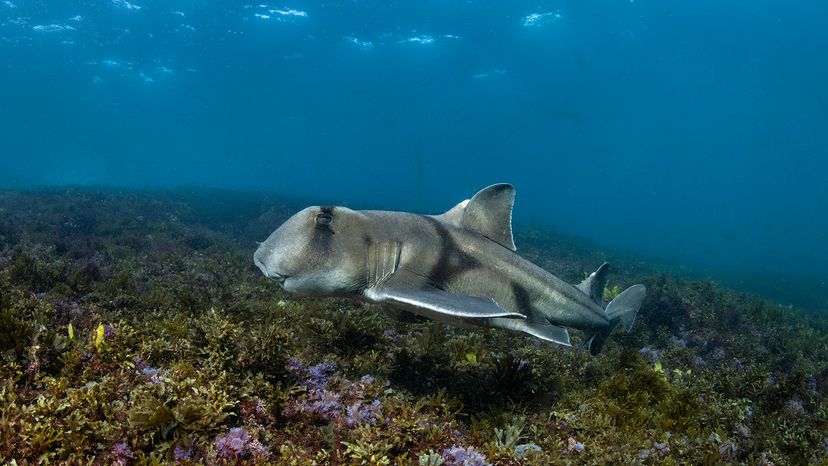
(368, 266)
(396, 257)
(388, 252)
(384, 261)
(376, 264)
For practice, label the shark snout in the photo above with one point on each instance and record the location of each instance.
(261, 265)
(266, 270)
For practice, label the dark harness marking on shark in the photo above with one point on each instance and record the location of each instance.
(322, 231)
(522, 300)
(453, 261)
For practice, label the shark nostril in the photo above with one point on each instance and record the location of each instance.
(266, 270)
(261, 265)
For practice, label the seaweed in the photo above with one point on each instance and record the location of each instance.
(134, 330)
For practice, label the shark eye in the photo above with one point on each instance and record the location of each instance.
(324, 219)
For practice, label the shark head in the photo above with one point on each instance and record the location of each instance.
(313, 252)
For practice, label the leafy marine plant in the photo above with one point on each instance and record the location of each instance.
(202, 360)
(509, 436)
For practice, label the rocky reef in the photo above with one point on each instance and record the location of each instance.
(134, 329)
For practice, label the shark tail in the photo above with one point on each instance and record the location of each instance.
(621, 310)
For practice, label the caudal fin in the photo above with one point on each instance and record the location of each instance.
(625, 306)
(621, 310)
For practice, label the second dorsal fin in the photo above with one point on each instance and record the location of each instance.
(489, 213)
(593, 285)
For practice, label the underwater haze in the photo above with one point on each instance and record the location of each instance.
(696, 132)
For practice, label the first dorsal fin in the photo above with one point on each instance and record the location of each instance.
(593, 285)
(489, 213)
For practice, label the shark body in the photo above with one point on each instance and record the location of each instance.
(459, 267)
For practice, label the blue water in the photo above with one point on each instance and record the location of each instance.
(693, 131)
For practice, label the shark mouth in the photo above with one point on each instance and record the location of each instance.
(278, 277)
(268, 273)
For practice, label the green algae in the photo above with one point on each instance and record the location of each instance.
(179, 346)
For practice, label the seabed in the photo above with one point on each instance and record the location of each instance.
(134, 329)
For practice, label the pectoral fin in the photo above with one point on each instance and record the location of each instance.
(413, 295)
